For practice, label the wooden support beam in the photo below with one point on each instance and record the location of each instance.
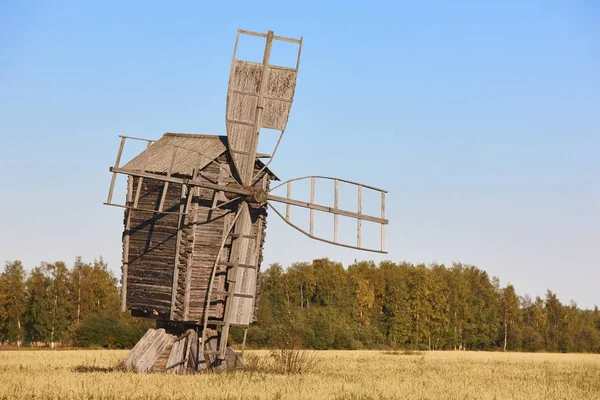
(175, 282)
(137, 138)
(114, 176)
(129, 189)
(332, 210)
(244, 343)
(230, 264)
(382, 225)
(289, 196)
(192, 182)
(190, 259)
(264, 35)
(335, 205)
(321, 239)
(312, 211)
(141, 179)
(126, 234)
(359, 222)
(166, 186)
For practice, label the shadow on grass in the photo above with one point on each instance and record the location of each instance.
(403, 353)
(92, 368)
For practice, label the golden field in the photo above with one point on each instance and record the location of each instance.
(360, 375)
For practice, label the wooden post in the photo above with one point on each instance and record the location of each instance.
(287, 206)
(175, 283)
(244, 342)
(335, 216)
(186, 218)
(312, 200)
(359, 221)
(141, 179)
(125, 264)
(114, 177)
(166, 187)
(382, 217)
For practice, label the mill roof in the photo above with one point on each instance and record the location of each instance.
(191, 151)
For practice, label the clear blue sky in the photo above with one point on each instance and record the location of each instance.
(482, 121)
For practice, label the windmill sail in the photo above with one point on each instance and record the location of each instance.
(259, 96)
(333, 208)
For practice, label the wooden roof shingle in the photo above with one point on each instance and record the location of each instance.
(191, 151)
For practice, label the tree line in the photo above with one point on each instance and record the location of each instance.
(319, 305)
(55, 304)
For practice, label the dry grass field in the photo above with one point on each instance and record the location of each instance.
(86, 374)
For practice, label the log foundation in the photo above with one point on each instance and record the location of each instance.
(173, 350)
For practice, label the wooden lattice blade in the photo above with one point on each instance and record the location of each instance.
(259, 96)
(332, 208)
(242, 281)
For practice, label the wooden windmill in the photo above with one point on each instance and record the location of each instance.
(195, 220)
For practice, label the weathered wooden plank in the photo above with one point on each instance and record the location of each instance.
(175, 357)
(114, 175)
(154, 351)
(335, 205)
(359, 221)
(382, 225)
(139, 348)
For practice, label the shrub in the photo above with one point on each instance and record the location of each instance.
(110, 333)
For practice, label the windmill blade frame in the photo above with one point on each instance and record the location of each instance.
(335, 210)
(259, 95)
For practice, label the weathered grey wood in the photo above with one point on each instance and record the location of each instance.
(177, 246)
(211, 348)
(319, 238)
(125, 262)
(154, 351)
(328, 178)
(239, 252)
(150, 141)
(264, 35)
(139, 348)
(183, 181)
(229, 264)
(359, 221)
(192, 350)
(312, 211)
(141, 180)
(166, 185)
(190, 241)
(331, 210)
(245, 138)
(114, 175)
(176, 357)
(289, 196)
(244, 342)
(382, 225)
(335, 205)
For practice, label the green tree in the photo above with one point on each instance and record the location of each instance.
(93, 290)
(509, 311)
(554, 311)
(60, 293)
(396, 308)
(12, 285)
(38, 319)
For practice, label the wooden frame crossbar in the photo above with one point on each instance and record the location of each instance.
(266, 36)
